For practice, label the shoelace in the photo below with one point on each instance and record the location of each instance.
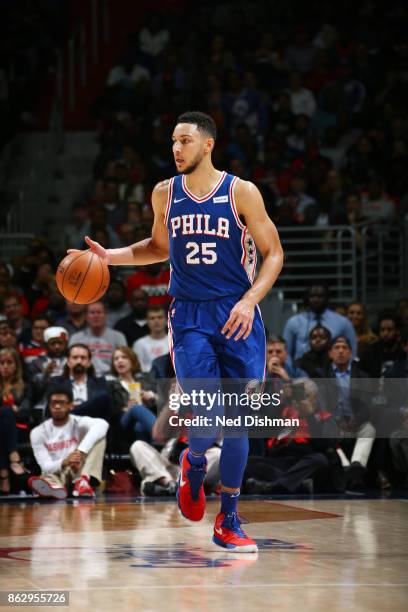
(232, 522)
(196, 475)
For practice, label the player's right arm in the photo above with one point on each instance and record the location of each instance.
(151, 250)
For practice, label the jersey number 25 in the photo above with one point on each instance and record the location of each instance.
(207, 255)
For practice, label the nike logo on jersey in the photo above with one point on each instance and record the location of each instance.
(176, 201)
(220, 199)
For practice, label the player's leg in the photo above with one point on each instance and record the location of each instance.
(239, 362)
(196, 366)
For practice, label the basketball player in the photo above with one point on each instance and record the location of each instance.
(210, 223)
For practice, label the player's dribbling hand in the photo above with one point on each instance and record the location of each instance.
(241, 319)
(95, 247)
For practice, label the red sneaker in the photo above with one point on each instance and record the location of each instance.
(82, 488)
(42, 487)
(229, 535)
(190, 490)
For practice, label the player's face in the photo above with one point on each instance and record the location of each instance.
(189, 147)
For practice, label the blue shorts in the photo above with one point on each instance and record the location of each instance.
(199, 350)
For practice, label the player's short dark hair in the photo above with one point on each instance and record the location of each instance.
(204, 122)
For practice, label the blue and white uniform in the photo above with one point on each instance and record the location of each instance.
(213, 261)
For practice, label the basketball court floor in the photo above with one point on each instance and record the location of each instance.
(121, 554)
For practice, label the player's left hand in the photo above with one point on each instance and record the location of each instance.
(241, 318)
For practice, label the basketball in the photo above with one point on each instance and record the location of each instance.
(82, 277)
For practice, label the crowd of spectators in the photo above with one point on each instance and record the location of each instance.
(312, 108)
(309, 106)
(75, 383)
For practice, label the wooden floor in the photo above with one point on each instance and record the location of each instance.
(121, 555)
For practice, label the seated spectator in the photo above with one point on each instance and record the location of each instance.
(395, 388)
(90, 393)
(75, 320)
(357, 314)
(43, 368)
(154, 280)
(297, 328)
(159, 378)
(39, 286)
(8, 338)
(78, 228)
(300, 461)
(278, 370)
(116, 302)
(7, 288)
(349, 399)
(126, 75)
(376, 205)
(101, 339)
(156, 343)
(302, 100)
(34, 346)
(52, 304)
(12, 410)
(68, 448)
(159, 470)
(134, 326)
(399, 450)
(315, 361)
(402, 313)
(297, 139)
(379, 356)
(306, 207)
(136, 417)
(13, 309)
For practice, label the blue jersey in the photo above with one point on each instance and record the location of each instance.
(212, 254)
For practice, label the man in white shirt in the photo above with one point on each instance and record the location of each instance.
(68, 448)
(101, 339)
(301, 99)
(156, 343)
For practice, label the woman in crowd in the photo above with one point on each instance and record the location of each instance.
(357, 314)
(12, 410)
(136, 416)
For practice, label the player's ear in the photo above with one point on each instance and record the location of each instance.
(209, 145)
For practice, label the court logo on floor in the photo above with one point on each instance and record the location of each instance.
(178, 555)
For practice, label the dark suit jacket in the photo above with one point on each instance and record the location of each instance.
(372, 358)
(95, 385)
(361, 392)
